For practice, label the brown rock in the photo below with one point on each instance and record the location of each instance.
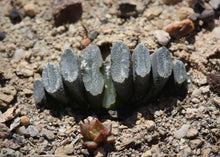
(127, 8)
(180, 29)
(214, 82)
(25, 121)
(171, 1)
(66, 11)
(30, 10)
(85, 43)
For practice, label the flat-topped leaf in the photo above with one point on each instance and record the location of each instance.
(179, 72)
(179, 78)
(71, 74)
(110, 96)
(121, 70)
(69, 66)
(141, 69)
(52, 81)
(91, 62)
(162, 65)
(39, 92)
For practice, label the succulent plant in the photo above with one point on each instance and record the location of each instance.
(83, 82)
(94, 132)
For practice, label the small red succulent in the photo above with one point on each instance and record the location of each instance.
(94, 132)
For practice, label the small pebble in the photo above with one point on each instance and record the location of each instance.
(32, 131)
(204, 89)
(153, 12)
(21, 130)
(192, 133)
(192, 113)
(162, 37)
(30, 10)
(196, 93)
(196, 143)
(64, 150)
(25, 121)
(147, 154)
(48, 15)
(207, 15)
(206, 152)
(184, 13)
(150, 125)
(215, 148)
(85, 43)
(18, 139)
(68, 149)
(10, 144)
(2, 36)
(4, 131)
(182, 131)
(179, 29)
(93, 35)
(19, 54)
(14, 16)
(217, 100)
(195, 17)
(214, 82)
(195, 100)
(185, 152)
(99, 152)
(215, 4)
(198, 6)
(48, 134)
(15, 123)
(216, 32)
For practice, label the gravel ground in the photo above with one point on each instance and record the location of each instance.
(167, 127)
